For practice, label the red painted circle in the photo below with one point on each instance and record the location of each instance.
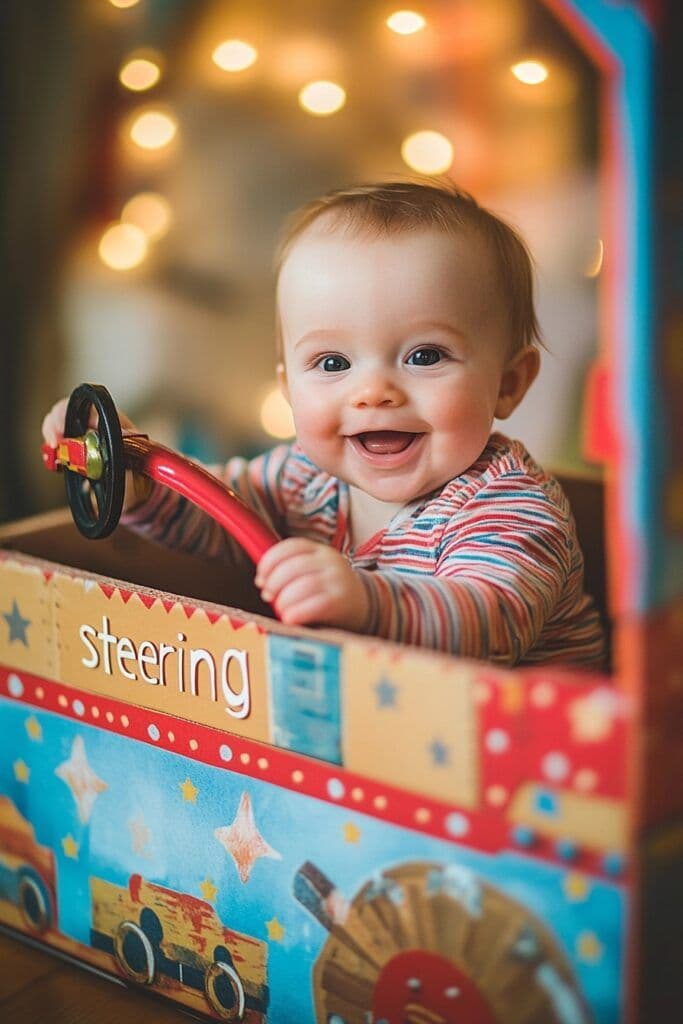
(427, 988)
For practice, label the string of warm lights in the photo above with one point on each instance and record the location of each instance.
(147, 217)
(426, 152)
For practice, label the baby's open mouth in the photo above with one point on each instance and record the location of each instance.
(385, 442)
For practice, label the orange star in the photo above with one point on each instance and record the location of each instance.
(276, 932)
(243, 841)
(208, 890)
(189, 791)
(351, 832)
(70, 847)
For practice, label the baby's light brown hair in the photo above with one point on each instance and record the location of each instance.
(385, 208)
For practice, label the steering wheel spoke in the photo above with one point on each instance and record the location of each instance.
(96, 519)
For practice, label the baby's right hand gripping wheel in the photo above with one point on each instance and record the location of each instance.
(96, 496)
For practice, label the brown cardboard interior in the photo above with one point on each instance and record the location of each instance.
(125, 556)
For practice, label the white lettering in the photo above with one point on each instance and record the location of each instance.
(235, 691)
(147, 659)
(239, 702)
(107, 640)
(94, 659)
(125, 650)
(196, 658)
(164, 649)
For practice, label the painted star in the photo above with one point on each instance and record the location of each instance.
(70, 847)
(386, 694)
(17, 624)
(22, 772)
(34, 729)
(351, 832)
(84, 784)
(589, 948)
(439, 752)
(512, 696)
(243, 841)
(576, 887)
(189, 791)
(208, 890)
(141, 836)
(592, 717)
(276, 932)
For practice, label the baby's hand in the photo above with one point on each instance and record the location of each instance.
(53, 424)
(308, 582)
(137, 487)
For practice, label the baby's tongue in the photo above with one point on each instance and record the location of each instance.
(385, 442)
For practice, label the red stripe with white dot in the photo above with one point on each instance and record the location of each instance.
(486, 830)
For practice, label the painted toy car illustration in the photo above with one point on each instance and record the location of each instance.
(167, 940)
(27, 870)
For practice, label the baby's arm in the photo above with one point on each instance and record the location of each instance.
(502, 570)
(500, 574)
(170, 519)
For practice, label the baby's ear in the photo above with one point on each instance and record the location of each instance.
(517, 378)
(282, 380)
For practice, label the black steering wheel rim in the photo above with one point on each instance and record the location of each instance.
(110, 488)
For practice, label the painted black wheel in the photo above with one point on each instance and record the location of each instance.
(224, 991)
(96, 504)
(134, 953)
(34, 903)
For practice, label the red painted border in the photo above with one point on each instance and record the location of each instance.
(487, 831)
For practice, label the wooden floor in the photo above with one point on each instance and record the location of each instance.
(36, 988)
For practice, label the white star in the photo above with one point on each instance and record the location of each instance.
(140, 835)
(243, 841)
(84, 784)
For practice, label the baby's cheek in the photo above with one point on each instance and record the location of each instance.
(313, 416)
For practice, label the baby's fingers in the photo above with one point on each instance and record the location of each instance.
(53, 424)
(284, 551)
(302, 601)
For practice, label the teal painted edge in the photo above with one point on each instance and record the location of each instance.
(624, 32)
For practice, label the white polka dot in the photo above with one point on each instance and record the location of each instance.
(225, 752)
(497, 741)
(336, 789)
(79, 708)
(457, 824)
(543, 695)
(555, 766)
(153, 732)
(15, 686)
(586, 779)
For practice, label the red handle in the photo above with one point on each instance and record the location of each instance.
(198, 485)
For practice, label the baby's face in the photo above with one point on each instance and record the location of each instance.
(394, 348)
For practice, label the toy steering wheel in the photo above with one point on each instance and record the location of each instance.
(96, 460)
(105, 474)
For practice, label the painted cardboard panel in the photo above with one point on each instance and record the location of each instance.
(27, 634)
(201, 664)
(169, 861)
(304, 676)
(397, 729)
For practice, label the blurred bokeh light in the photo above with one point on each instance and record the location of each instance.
(163, 214)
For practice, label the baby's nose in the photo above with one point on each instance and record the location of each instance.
(377, 390)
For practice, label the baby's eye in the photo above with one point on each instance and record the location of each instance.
(424, 357)
(334, 364)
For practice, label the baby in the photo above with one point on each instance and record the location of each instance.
(406, 324)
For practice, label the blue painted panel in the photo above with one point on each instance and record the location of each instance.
(304, 697)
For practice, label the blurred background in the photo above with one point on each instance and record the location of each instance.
(151, 150)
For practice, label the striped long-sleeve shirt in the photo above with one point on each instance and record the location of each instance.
(487, 567)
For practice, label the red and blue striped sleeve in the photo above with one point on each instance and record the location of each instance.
(508, 580)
